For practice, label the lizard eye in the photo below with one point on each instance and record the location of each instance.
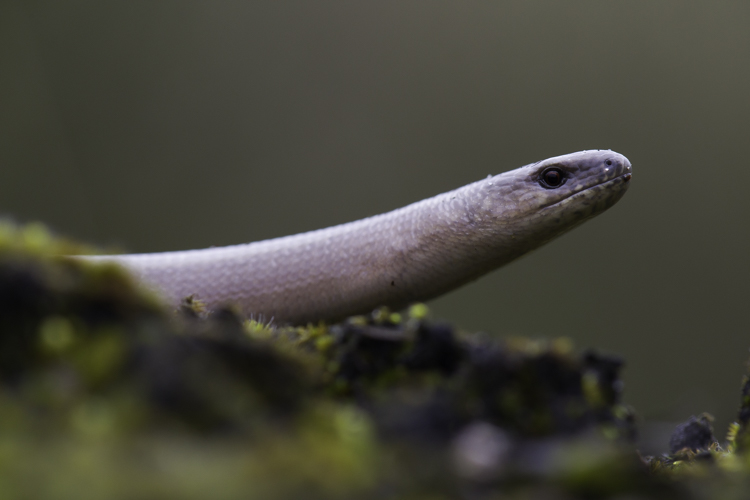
(552, 178)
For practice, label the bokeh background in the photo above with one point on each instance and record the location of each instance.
(183, 124)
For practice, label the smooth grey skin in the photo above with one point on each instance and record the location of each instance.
(408, 255)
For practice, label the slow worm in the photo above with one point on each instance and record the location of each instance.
(411, 254)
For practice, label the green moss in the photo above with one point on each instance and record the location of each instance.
(106, 393)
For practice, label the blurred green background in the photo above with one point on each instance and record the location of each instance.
(180, 124)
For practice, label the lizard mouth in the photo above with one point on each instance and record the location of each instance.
(616, 185)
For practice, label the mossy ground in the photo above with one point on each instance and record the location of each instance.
(106, 393)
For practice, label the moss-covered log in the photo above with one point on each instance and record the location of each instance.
(105, 393)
